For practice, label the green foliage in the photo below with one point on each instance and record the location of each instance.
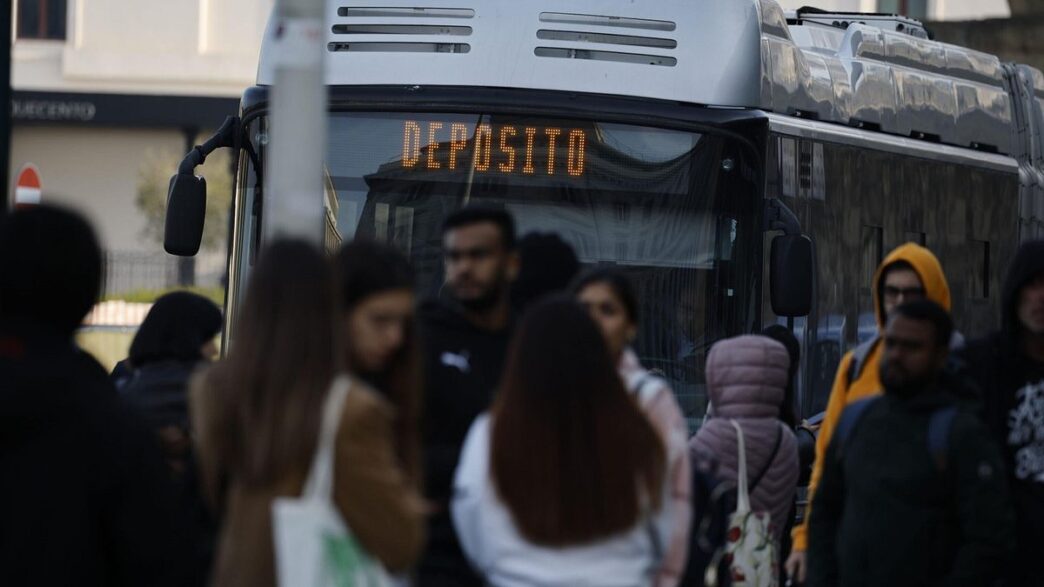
(154, 179)
(215, 294)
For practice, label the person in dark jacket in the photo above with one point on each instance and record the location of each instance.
(175, 337)
(1007, 368)
(913, 491)
(85, 499)
(465, 337)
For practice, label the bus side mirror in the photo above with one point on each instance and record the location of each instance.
(187, 193)
(790, 275)
(186, 210)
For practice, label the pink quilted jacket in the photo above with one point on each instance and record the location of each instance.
(746, 377)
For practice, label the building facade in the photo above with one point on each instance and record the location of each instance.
(109, 93)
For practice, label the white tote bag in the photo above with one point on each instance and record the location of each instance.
(749, 549)
(313, 545)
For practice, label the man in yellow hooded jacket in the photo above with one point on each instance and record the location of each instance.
(909, 272)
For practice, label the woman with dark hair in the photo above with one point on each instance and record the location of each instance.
(257, 416)
(378, 316)
(176, 337)
(788, 415)
(609, 298)
(563, 482)
(784, 336)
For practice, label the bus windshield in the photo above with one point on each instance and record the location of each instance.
(669, 207)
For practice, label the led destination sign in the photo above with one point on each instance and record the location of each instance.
(494, 148)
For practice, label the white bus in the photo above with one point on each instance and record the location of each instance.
(674, 139)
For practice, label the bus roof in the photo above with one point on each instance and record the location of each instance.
(873, 72)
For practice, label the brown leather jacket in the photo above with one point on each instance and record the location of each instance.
(382, 508)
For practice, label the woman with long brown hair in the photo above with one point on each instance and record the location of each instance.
(563, 483)
(378, 317)
(257, 415)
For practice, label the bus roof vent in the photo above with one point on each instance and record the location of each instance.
(843, 20)
(390, 29)
(596, 37)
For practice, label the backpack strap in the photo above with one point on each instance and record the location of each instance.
(939, 426)
(772, 457)
(641, 389)
(849, 419)
(858, 362)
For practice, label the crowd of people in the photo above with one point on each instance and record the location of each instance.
(503, 432)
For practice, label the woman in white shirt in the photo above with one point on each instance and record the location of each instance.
(563, 482)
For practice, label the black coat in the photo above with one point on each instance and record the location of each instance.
(85, 498)
(463, 365)
(159, 391)
(1011, 391)
(886, 514)
(1010, 387)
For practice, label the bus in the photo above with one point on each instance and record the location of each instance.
(745, 165)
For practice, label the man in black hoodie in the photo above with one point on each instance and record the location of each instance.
(85, 497)
(465, 340)
(1008, 369)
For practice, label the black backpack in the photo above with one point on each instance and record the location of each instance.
(940, 423)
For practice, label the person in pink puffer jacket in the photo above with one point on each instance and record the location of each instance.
(746, 380)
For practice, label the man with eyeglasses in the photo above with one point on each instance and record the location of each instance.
(910, 272)
(465, 334)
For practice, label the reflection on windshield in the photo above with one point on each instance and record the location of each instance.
(646, 199)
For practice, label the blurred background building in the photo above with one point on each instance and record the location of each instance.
(108, 95)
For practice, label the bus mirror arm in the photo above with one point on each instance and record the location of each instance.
(779, 217)
(187, 193)
(791, 263)
(224, 137)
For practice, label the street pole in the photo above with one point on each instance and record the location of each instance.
(293, 205)
(5, 107)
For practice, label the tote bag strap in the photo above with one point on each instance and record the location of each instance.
(742, 496)
(320, 476)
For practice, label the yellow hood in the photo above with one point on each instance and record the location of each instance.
(926, 266)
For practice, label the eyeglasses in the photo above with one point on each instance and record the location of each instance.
(892, 292)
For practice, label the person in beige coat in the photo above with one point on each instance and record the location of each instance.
(256, 416)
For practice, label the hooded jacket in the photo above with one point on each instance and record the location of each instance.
(866, 382)
(1011, 388)
(746, 380)
(462, 367)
